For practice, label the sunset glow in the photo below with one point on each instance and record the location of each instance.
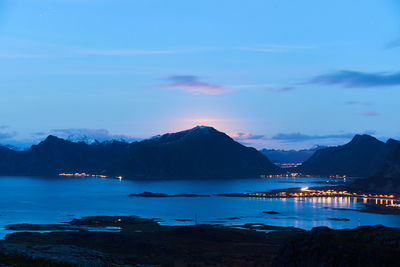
(253, 69)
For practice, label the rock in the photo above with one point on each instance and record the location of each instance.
(363, 246)
(339, 219)
(271, 212)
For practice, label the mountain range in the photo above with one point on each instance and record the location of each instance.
(201, 152)
(363, 156)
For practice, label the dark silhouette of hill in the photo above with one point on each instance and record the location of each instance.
(201, 152)
(363, 246)
(386, 180)
(363, 156)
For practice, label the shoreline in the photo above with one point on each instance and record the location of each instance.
(384, 204)
(146, 242)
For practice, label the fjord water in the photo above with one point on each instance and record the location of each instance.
(53, 200)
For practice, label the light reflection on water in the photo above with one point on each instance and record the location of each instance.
(54, 200)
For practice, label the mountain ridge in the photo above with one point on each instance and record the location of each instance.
(363, 156)
(386, 180)
(195, 153)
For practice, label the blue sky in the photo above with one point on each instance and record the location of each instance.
(275, 74)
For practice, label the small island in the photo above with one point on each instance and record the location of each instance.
(339, 219)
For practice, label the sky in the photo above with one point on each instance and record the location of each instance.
(285, 74)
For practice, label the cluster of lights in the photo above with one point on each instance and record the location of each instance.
(330, 199)
(292, 174)
(84, 174)
(297, 174)
(309, 192)
(337, 176)
(306, 192)
(288, 165)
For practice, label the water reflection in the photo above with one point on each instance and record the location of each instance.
(340, 202)
(35, 200)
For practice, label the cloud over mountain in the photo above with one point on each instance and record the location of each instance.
(94, 134)
(246, 136)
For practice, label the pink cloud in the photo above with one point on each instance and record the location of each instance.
(193, 84)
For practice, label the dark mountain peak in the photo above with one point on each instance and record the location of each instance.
(363, 139)
(199, 152)
(361, 157)
(197, 133)
(199, 130)
(53, 139)
(203, 128)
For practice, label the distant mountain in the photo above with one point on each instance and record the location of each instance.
(287, 157)
(12, 147)
(82, 138)
(90, 140)
(386, 180)
(363, 156)
(201, 152)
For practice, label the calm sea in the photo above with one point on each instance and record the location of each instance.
(55, 200)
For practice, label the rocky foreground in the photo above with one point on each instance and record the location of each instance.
(144, 242)
(363, 246)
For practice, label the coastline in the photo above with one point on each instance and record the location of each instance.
(146, 242)
(384, 204)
